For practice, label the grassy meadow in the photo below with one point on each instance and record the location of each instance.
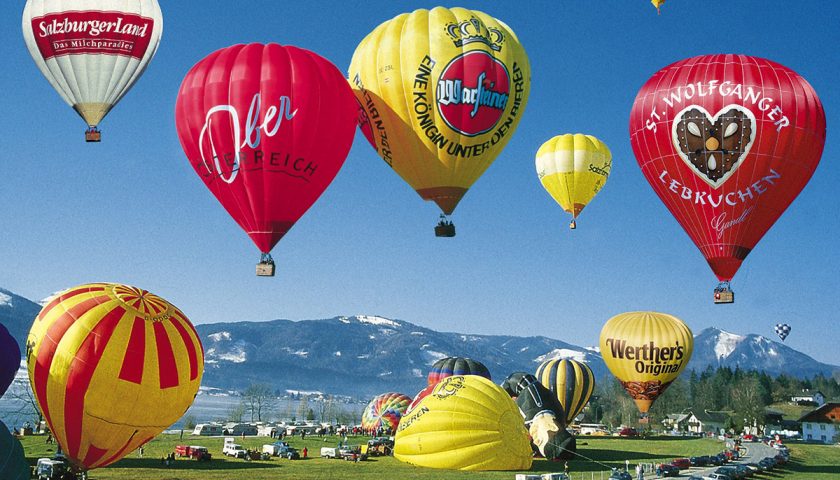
(809, 462)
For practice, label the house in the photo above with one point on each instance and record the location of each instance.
(676, 422)
(207, 429)
(822, 425)
(807, 396)
(707, 421)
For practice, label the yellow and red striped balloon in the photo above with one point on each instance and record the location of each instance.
(111, 367)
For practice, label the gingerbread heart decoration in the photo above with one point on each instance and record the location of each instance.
(727, 142)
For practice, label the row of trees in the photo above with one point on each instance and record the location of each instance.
(746, 394)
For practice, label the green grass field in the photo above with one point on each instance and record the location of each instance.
(809, 462)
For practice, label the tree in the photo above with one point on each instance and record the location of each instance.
(303, 406)
(27, 410)
(236, 412)
(258, 399)
(310, 415)
(189, 421)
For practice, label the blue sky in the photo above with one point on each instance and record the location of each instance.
(132, 210)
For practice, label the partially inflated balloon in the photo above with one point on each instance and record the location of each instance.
(646, 351)
(449, 366)
(573, 168)
(727, 142)
(466, 423)
(441, 92)
(571, 381)
(385, 411)
(9, 359)
(13, 464)
(266, 128)
(92, 51)
(111, 366)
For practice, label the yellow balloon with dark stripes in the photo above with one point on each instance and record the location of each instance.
(646, 351)
(571, 381)
(111, 367)
(467, 422)
(441, 93)
(573, 168)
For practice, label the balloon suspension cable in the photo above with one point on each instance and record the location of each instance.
(587, 458)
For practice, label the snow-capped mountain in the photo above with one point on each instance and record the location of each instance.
(361, 354)
(714, 347)
(364, 354)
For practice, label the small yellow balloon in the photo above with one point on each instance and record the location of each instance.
(573, 168)
(657, 4)
(646, 351)
(441, 92)
(467, 422)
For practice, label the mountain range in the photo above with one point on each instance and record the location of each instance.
(362, 355)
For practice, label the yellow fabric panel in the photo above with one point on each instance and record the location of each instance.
(397, 73)
(646, 351)
(573, 168)
(467, 423)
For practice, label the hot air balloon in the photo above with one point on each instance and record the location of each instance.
(466, 423)
(573, 168)
(9, 359)
(385, 411)
(267, 128)
(92, 51)
(727, 142)
(571, 381)
(13, 464)
(657, 4)
(646, 351)
(782, 330)
(111, 366)
(449, 366)
(441, 92)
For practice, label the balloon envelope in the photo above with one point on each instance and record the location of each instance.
(727, 142)
(385, 411)
(93, 51)
(782, 330)
(449, 366)
(466, 423)
(646, 351)
(441, 92)
(571, 381)
(9, 359)
(573, 168)
(13, 464)
(266, 128)
(111, 367)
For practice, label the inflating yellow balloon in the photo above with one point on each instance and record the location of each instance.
(111, 366)
(441, 93)
(646, 351)
(573, 169)
(657, 4)
(466, 423)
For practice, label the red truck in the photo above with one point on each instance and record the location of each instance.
(194, 452)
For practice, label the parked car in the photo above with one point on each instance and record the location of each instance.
(193, 451)
(330, 452)
(281, 449)
(699, 461)
(731, 472)
(620, 475)
(234, 450)
(781, 459)
(756, 468)
(51, 469)
(715, 461)
(681, 463)
(666, 470)
(628, 432)
(380, 446)
(718, 476)
(768, 463)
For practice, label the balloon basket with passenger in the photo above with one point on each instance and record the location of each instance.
(93, 135)
(445, 227)
(723, 293)
(266, 266)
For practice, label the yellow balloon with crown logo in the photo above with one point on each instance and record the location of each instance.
(646, 351)
(441, 92)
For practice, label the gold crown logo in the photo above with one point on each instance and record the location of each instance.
(474, 31)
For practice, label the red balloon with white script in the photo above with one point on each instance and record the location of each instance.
(727, 142)
(267, 128)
